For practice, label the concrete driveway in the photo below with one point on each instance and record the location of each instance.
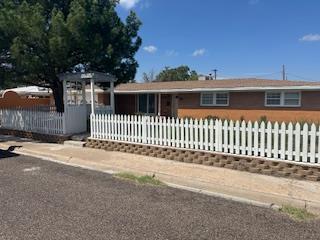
(45, 200)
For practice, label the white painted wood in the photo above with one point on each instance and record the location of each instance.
(269, 140)
(135, 132)
(152, 131)
(125, 128)
(283, 144)
(318, 148)
(216, 134)
(286, 142)
(297, 134)
(187, 140)
(165, 130)
(169, 132)
(256, 139)
(211, 135)
(276, 140)
(305, 137)
(237, 137)
(225, 136)
(206, 135)
(196, 134)
(156, 125)
(313, 134)
(262, 139)
(243, 138)
(220, 136)
(249, 138)
(231, 137)
(191, 130)
(33, 120)
(178, 137)
(160, 131)
(200, 134)
(290, 142)
(173, 132)
(182, 134)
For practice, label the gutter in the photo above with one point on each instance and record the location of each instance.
(238, 89)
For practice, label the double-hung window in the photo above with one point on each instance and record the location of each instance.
(283, 99)
(146, 103)
(214, 99)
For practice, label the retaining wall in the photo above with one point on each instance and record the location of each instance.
(249, 164)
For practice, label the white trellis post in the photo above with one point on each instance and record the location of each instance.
(93, 107)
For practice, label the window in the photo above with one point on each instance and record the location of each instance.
(146, 103)
(215, 99)
(291, 98)
(283, 99)
(273, 99)
(222, 98)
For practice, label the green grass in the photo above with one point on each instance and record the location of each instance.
(145, 180)
(299, 214)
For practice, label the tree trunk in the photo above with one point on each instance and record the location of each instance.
(57, 90)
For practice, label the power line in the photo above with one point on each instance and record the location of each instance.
(301, 78)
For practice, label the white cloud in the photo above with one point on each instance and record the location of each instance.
(310, 38)
(128, 4)
(199, 52)
(145, 5)
(172, 53)
(150, 49)
(253, 2)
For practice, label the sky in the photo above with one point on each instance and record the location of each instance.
(239, 38)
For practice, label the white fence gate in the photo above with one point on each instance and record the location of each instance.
(293, 142)
(45, 120)
(48, 122)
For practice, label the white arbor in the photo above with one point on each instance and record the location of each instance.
(76, 111)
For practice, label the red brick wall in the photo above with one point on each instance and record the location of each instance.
(250, 106)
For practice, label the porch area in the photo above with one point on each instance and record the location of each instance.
(150, 104)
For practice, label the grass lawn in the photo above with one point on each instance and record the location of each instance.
(299, 214)
(146, 179)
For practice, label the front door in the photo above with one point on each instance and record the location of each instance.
(166, 105)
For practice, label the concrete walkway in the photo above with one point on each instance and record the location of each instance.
(241, 186)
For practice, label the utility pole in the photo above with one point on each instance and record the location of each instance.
(284, 72)
(215, 74)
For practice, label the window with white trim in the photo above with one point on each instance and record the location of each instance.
(214, 99)
(147, 103)
(283, 99)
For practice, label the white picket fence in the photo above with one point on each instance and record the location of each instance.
(293, 142)
(48, 122)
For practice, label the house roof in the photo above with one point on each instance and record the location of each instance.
(248, 84)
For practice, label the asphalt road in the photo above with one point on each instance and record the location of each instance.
(45, 200)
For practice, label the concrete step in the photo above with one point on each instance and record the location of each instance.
(74, 143)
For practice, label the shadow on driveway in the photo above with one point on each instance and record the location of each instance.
(9, 152)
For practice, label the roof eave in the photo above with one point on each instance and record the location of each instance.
(272, 88)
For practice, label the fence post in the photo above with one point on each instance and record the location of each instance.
(64, 122)
(144, 129)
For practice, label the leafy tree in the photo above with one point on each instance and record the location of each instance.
(148, 77)
(182, 73)
(41, 38)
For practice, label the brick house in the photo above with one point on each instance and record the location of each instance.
(249, 99)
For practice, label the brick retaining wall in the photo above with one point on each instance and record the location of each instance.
(249, 164)
(36, 136)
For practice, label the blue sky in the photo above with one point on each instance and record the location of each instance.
(240, 38)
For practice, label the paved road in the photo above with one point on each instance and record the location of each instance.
(45, 200)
